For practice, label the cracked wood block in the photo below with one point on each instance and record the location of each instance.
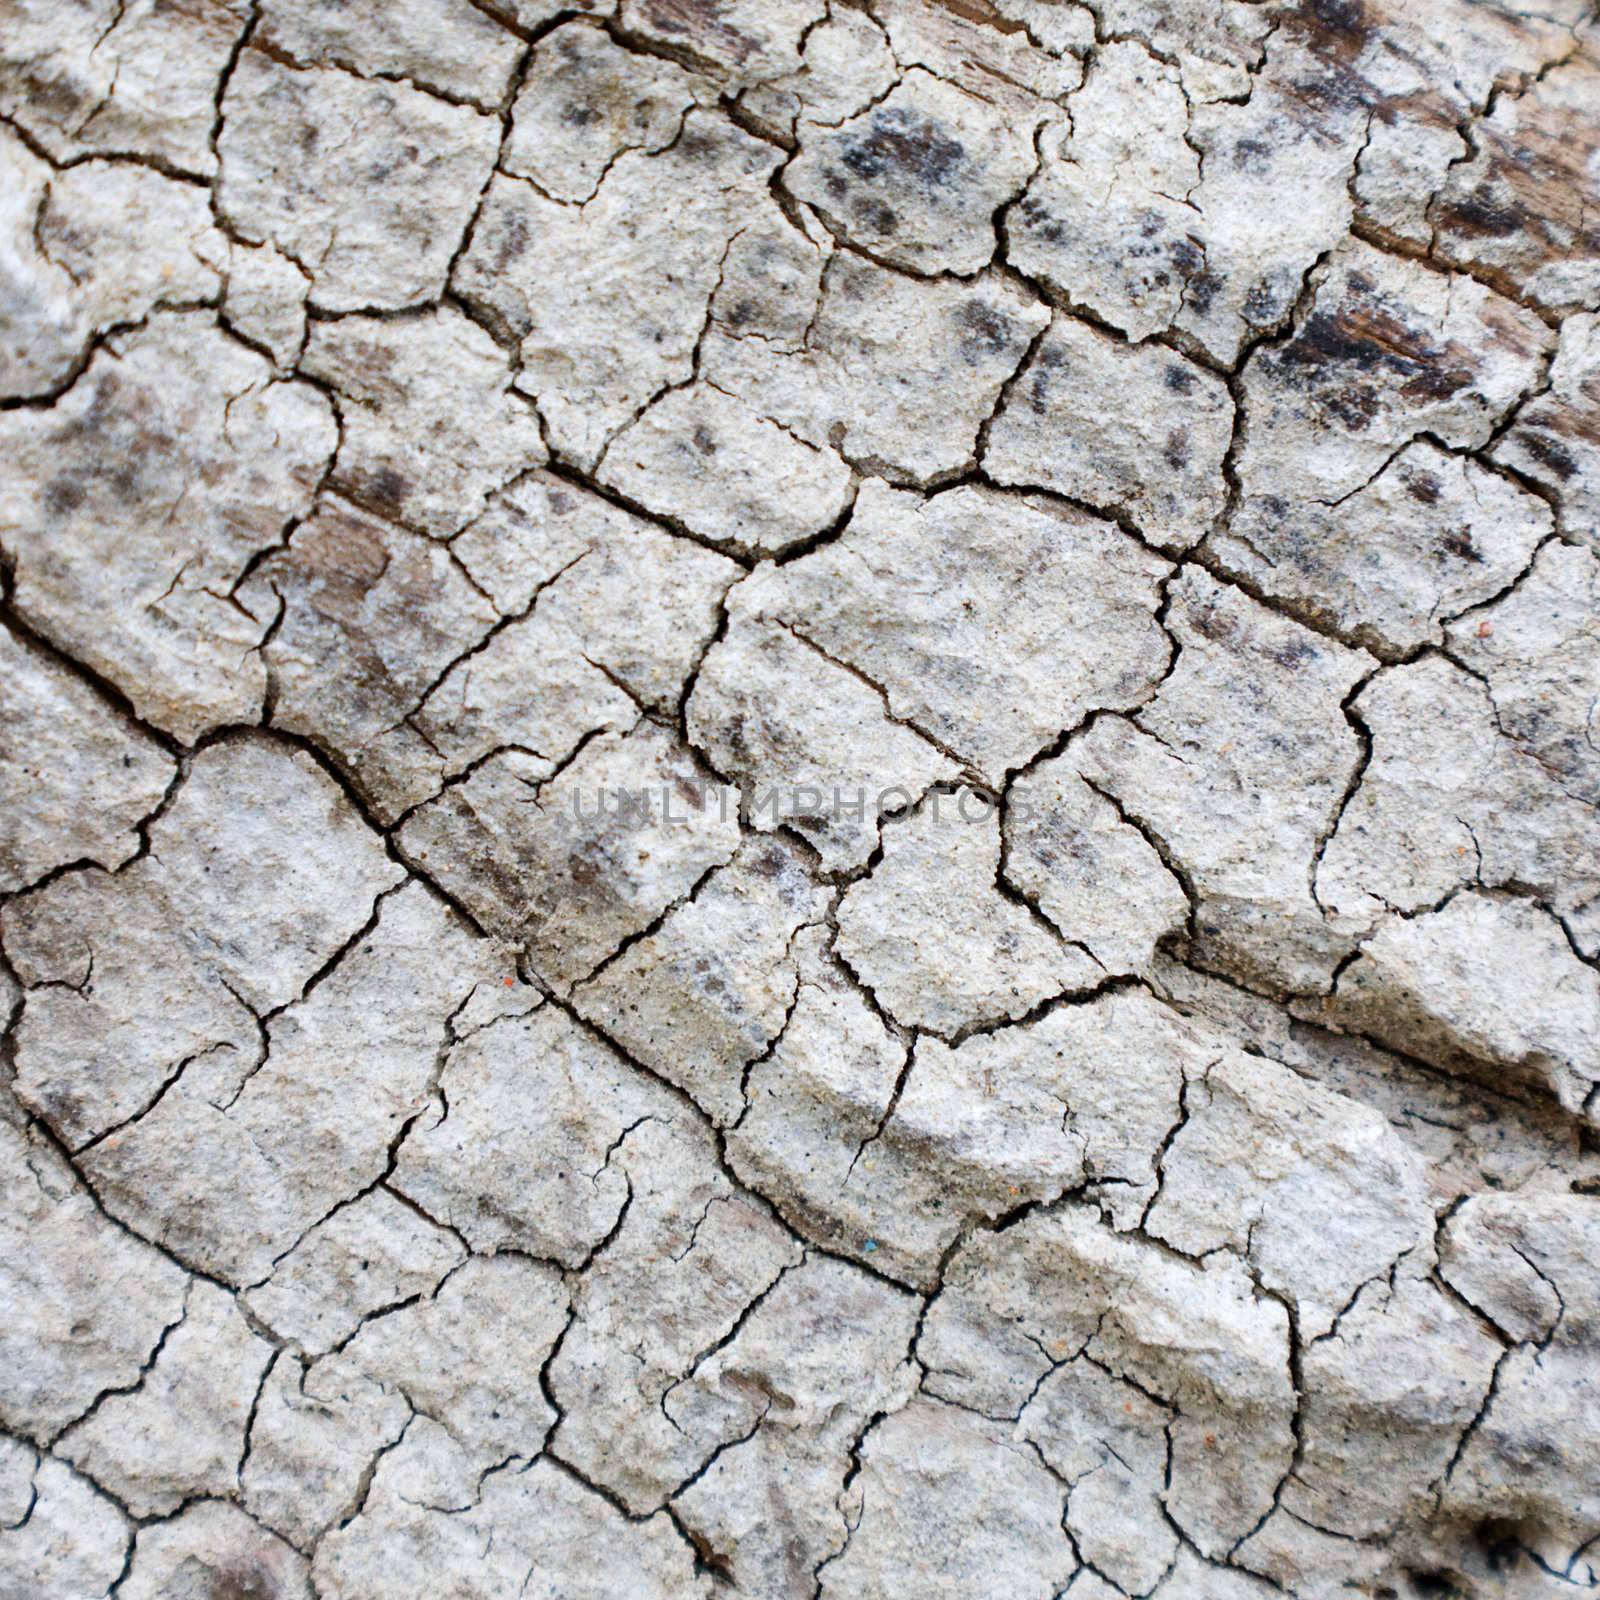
(1389, 350)
(1447, 802)
(797, 800)
(369, 185)
(584, 101)
(915, 180)
(1133, 430)
(1528, 1263)
(131, 512)
(977, 957)
(1554, 439)
(61, 1535)
(370, 1254)
(706, 460)
(104, 77)
(846, 64)
(1536, 649)
(1010, 620)
(812, 744)
(1433, 71)
(1524, 209)
(740, 42)
(1095, 876)
(78, 781)
(895, 373)
(448, 46)
(1243, 797)
(431, 425)
(709, 991)
(1391, 564)
(624, 320)
(181, 1434)
(213, 1543)
(1020, 1306)
(138, 975)
(92, 1302)
(704, 1257)
(338, 1080)
(537, 1519)
(585, 858)
(1485, 984)
(89, 248)
(951, 1502)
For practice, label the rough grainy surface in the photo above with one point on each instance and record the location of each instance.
(798, 799)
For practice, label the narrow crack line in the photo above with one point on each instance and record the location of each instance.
(563, 467)
(1350, 710)
(249, 1435)
(740, 1322)
(1164, 851)
(770, 1050)
(151, 161)
(649, 931)
(147, 1366)
(972, 775)
(1158, 1162)
(700, 1120)
(168, 1083)
(507, 619)
(1442, 1483)
(104, 341)
(282, 56)
(357, 1503)
(677, 385)
(890, 1106)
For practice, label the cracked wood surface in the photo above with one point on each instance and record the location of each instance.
(797, 799)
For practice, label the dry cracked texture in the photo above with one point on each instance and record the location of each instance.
(798, 799)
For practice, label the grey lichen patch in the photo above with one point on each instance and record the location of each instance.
(914, 179)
